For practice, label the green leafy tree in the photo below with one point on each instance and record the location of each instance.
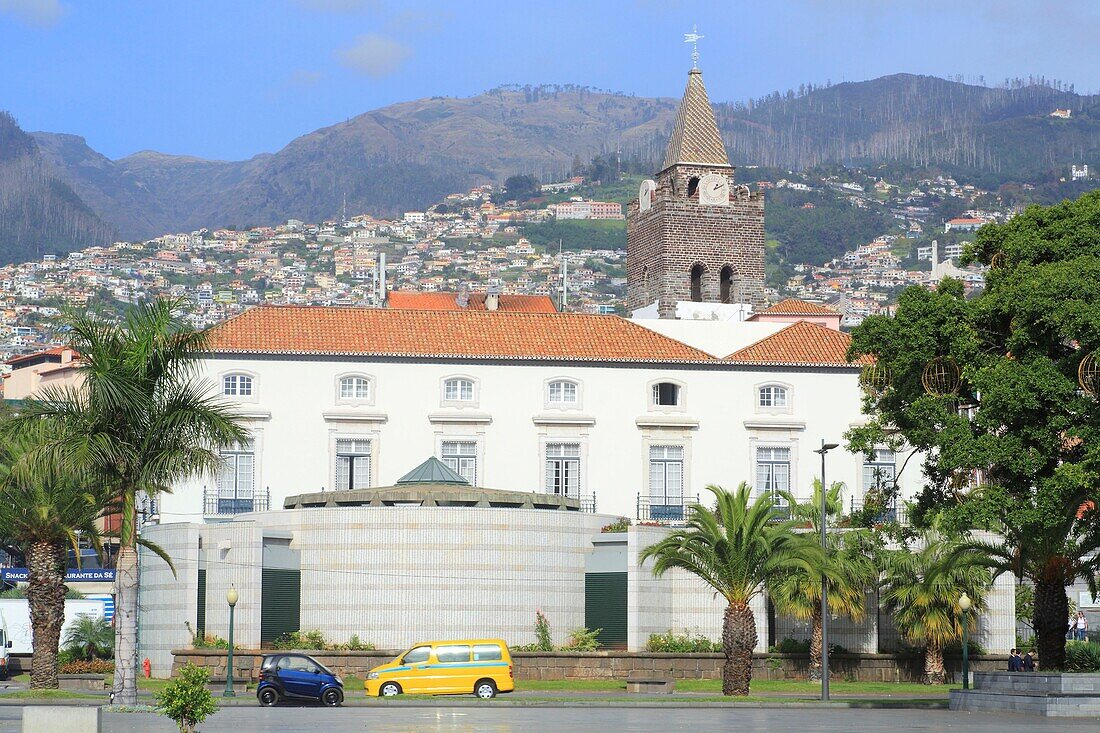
(140, 422)
(186, 699)
(1011, 438)
(735, 548)
(921, 586)
(44, 512)
(92, 635)
(848, 566)
(521, 187)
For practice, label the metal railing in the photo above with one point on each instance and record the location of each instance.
(887, 515)
(664, 509)
(215, 505)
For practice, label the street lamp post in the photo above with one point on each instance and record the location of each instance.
(825, 448)
(230, 598)
(964, 606)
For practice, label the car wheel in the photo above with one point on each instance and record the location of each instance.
(268, 697)
(485, 689)
(332, 697)
(389, 689)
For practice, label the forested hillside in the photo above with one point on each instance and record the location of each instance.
(39, 213)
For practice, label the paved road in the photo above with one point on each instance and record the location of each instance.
(536, 719)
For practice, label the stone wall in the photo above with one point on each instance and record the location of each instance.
(616, 665)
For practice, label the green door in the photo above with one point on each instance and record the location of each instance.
(605, 607)
(280, 603)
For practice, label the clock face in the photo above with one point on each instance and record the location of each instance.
(645, 195)
(714, 190)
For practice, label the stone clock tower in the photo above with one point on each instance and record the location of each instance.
(692, 235)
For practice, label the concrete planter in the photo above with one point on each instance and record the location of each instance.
(82, 682)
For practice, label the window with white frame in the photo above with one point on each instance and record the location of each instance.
(237, 385)
(354, 388)
(236, 482)
(880, 472)
(561, 392)
(563, 469)
(666, 394)
(773, 472)
(461, 457)
(772, 395)
(352, 463)
(458, 390)
(666, 474)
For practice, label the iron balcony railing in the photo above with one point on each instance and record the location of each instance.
(887, 515)
(664, 509)
(216, 505)
(588, 503)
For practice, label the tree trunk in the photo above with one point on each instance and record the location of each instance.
(46, 599)
(126, 607)
(738, 643)
(1051, 617)
(934, 672)
(815, 645)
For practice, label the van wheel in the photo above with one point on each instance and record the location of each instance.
(390, 689)
(485, 689)
(268, 697)
(332, 697)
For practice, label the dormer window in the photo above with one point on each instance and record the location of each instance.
(237, 385)
(772, 395)
(458, 390)
(666, 394)
(561, 392)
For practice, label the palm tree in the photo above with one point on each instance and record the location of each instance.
(44, 514)
(849, 566)
(92, 635)
(922, 586)
(735, 548)
(140, 422)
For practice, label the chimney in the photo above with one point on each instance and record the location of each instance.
(492, 299)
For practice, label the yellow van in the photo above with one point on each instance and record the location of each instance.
(480, 666)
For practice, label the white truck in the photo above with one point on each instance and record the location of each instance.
(15, 626)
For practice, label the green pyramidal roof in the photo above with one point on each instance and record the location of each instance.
(432, 471)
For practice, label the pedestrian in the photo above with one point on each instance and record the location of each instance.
(1013, 661)
(1081, 626)
(1028, 663)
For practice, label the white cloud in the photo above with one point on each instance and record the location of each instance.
(41, 13)
(374, 55)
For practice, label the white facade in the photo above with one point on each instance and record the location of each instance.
(506, 420)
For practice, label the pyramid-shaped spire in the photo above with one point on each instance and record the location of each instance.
(695, 138)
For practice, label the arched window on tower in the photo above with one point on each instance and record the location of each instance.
(697, 283)
(725, 284)
(693, 186)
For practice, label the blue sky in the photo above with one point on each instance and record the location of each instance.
(232, 78)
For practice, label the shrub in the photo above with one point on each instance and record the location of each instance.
(543, 642)
(86, 666)
(93, 636)
(582, 640)
(954, 649)
(681, 643)
(207, 641)
(186, 699)
(1082, 656)
(354, 645)
(792, 646)
(619, 525)
(310, 640)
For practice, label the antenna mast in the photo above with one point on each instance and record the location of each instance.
(693, 38)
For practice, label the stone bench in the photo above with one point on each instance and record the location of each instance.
(217, 685)
(82, 682)
(650, 685)
(53, 718)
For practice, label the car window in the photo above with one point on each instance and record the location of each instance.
(269, 662)
(419, 654)
(297, 664)
(486, 652)
(455, 653)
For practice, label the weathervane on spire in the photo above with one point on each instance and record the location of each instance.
(693, 38)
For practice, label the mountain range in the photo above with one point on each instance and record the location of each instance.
(409, 155)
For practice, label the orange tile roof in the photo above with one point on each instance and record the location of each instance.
(442, 301)
(269, 329)
(796, 307)
(55, 351)
(800, 344)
